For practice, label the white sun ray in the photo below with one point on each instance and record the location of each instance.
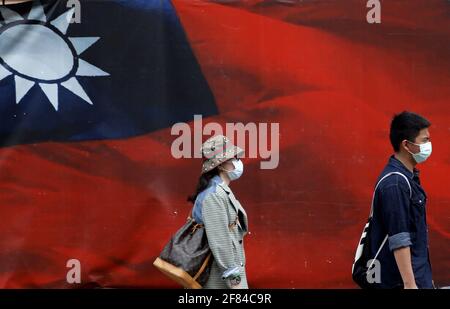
(74, 86)
(9, 15)
(4, 72)
(63, 21)
(22, 87)
(37, 12)
(87, 69)
(51, 91)
(81, 44)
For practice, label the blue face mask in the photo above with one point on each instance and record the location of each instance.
(238, 170)
(424, 153)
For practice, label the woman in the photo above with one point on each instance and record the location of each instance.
(216, 207)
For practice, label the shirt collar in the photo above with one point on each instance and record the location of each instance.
(217, 180)
(394, 162)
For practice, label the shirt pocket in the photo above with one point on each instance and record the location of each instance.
(418, 203)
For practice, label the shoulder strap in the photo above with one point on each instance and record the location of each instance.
(371, 209)
(383, 178)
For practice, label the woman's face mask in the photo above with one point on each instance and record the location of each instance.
(238, 169)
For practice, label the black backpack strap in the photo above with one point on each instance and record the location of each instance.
(360, 247)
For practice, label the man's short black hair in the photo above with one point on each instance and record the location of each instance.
(406, 125)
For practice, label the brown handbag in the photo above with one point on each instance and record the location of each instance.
(186, 258)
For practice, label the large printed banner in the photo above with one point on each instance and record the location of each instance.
(91, 188)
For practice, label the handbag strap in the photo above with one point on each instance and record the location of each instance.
(205, 263)
(232, 223)
(196, 225)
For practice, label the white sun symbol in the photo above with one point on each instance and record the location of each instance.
(38, 52)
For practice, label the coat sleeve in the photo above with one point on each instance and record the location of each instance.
(215, 218)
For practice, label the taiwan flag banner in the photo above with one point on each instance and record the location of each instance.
(104, 106)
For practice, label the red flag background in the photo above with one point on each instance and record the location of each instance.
(329, 78)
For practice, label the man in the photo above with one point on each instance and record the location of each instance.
(399, 209)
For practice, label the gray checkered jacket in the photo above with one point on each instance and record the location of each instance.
(226, 225)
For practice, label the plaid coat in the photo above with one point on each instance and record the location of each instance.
(226, 225)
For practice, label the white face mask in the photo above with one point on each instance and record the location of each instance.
(424, 153)
(238, 170)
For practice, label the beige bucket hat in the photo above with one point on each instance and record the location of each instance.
(217, 150)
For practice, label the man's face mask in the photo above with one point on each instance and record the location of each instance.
(423, 154)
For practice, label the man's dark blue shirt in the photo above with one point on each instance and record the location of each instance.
(403, 219)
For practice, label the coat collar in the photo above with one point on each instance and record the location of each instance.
(236, 205)
(225, 187)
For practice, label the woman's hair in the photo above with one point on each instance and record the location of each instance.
(203, 183)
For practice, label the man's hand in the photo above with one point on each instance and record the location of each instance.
(403, 259)
(410, 287)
